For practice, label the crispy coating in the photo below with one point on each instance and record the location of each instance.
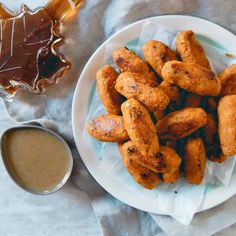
(157, 54)
(181, 123)
(227, 124)
(164, 161)
(190, 50)
(131, 86)
(126, 60)
(171, 90)
(142, 175)
(194, 161)
(111, 99)
(140, 127)
(171, 177)
(211, 140)
(159, 115)
(192, 77)
(108, 128)
(192, 100)
(228, 81)
(211, 104)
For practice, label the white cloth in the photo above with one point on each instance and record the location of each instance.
(96, 21)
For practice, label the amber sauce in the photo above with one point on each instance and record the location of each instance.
(29, 50)
(37, 159)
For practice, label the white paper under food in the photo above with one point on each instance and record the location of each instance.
(180, 200)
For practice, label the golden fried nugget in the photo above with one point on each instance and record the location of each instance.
(140, 127)
(181, 123)
(170, 143)
(192, 100)
(111, 99)
(153, 98)
(190, 50)
(192, 77)
(211, 104)
(211, 140)
(227, 124)
(159, 114)
(108, 128)
(164, 161)
(171, 90)
(171, 177)
(228, 81)
(157, 54)
(142, 175)
(218, 156)
(194, 161)
(126, 60)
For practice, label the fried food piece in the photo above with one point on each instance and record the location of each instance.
(159, 115)
(171, 177)
(108, 128)
(227, 124)
(131, 86)
(111, 99)
(126, 60)
(170, 143)
(194, 161)
(218, 156)
(192, 100)
(142, 175)
(171, 90)
(181, 123)
(192, 77)
(228, 81)
(140, 127)
(190, 50)
(157, 54)
(211, 140)
(164, 161)
(211, 104)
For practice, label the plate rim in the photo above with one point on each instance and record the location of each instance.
(209, 199)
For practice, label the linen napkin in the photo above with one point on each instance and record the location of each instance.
(96, 21)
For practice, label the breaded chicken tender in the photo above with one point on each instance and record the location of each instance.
(181, 123)
(126, 60)
(192, 77)
(108, 128)
(228, 81)
(111, 99)
(140, 127)
(227, 124)
(142, 175)
(194, 161)
(171, 177)
(164, 161)
(130, 86)
(192, 100)
(157, 54)
(190, 50)
(211, 140)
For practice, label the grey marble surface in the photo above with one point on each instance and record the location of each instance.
(66, 212)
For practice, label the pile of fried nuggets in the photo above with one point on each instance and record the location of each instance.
(169, 112)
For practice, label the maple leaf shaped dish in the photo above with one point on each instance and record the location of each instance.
(29, 56)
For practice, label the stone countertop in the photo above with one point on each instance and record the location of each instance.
(66, 212)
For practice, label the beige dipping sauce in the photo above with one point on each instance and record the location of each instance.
(37, 159)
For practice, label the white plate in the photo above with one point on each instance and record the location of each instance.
(85, 85)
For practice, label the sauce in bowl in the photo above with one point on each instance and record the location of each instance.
(38, 160)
